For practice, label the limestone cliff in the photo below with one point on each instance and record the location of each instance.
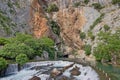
(71, 21)
(38, 20)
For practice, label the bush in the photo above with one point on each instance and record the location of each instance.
(87, 49)
(21, 59)
(97, 6)
(55, 27)
(108, 47)
(82, 35)
(98, 20)
(106, 27)
(28, 45)
(10, 51)
(115, 1)
(3, 64)
(52, 8)
(76, 4)
(86, 1)
(3, 41)
(90, 34)
(35, 45)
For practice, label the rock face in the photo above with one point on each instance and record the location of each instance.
(71, 21)
(39, 23)
(15, 17)
(38, 20)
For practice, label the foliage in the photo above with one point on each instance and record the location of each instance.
(109, 46)
(3, 63)
(90, 34)
(46, 42)
(35, 45)
(10, 51)
(52, 8)
(98, 20)
(76, 4)
(21, 59)
(47, 45)
(97, 6)
(55, 27)
(86, 1)
(87, 49)
(115, 1)
(26, 44)
(82, 35)
(106, 27)
(3, 41)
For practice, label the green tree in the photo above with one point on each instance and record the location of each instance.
(48, 45)
(35, 45)
(3, 63)
(10, 51)
(108, 47)
(21, 59)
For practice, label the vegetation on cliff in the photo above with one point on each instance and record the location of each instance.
(109, 47)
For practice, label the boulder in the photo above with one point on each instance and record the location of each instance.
(55, 72)
(37, 58)
(35, 78)
(64, 78)
(45, 55)
(75, 71)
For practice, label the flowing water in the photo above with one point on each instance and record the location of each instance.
(42, 69)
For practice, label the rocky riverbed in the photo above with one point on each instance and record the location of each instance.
(54, 70)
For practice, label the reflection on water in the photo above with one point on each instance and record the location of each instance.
(113, 71)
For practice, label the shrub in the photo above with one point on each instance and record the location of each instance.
(87, 49)
(3, 63)
(108, 47)
(90, 34)
(28, 45)
(115, 1)
(86, 1)
(10, 51)
(21, 59)
(76, 4)
(98, 20)
(35, 45)
(82, 35)
(52, 8)
(55, 27)
(106, 27)
(46, 42)
(97, 6)
(3, 41)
